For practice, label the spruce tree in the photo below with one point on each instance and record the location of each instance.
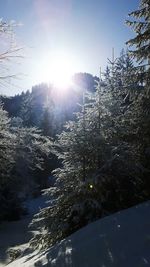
(141, 42)
(8, 200)
(97, 176)
(22, 155)
(101, 168)
(6, 148)
(75, 203)
(141, 108)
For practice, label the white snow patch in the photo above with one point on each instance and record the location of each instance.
(119, 240)
(16, 234)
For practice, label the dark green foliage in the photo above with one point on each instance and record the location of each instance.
(33, 104)
(47, 108)
(11, 206)
(22, 155)
(104, 150)
(6, 149)
(7, 163)
(46, 123)
(102, 164)
(141, 27)
(23, 150)
(141, 42)
(13, 105)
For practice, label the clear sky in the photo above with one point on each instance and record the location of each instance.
(85, 30)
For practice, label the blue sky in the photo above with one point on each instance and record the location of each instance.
(86, 29)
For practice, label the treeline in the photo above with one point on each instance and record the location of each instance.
(105, 155)
(105, 151)
(28, 122)
(23, 151)
(104, 147)
(46, 106)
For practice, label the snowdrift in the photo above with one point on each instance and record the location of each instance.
(119, 240)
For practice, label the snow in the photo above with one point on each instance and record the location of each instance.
(16, 234)
(119, 240)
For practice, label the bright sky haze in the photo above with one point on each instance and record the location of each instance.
(83, 30)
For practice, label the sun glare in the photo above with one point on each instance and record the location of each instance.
(58, 69)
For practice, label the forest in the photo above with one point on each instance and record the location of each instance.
(87, 150)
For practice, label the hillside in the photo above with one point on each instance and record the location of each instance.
(16, 234)
(119, 240)
(75, 133)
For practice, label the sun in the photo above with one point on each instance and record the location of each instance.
(58, 69)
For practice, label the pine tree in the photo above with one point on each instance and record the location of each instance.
(27, 112)
(141, 26)
(8, 200)
(75, 203)
(46, 123)
(141, 42)
(22, 154)
(141, 108)
(6, 149)
(98, 173)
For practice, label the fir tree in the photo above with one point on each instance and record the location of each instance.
(101, 153)
(10, 207)
(98, 173)
(6, 149)
(141, 42)
(22, 155)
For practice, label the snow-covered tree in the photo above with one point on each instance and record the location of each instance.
(141, 52)
(7, 163)
(86, 145)
(6, 148)
(104, 168)
(141, 42)
(22, 154)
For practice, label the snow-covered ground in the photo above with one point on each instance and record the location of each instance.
(16, 234)
(119, 240)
